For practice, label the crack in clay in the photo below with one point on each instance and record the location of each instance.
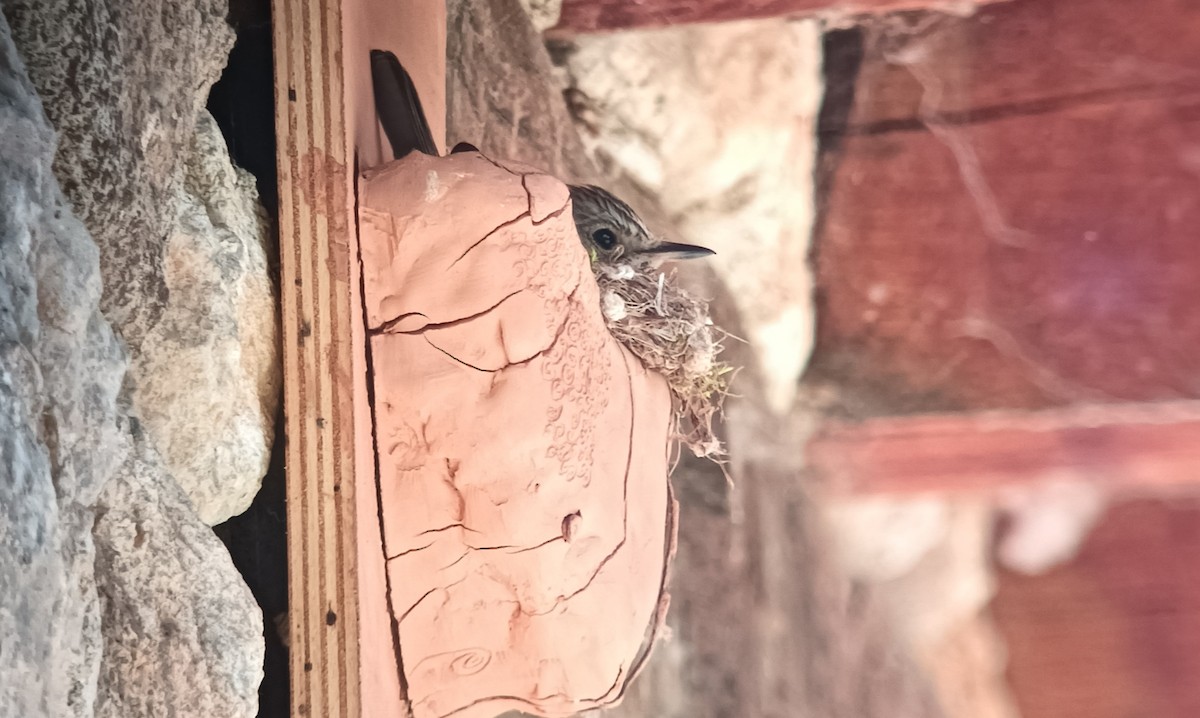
(570, 297)
(408, 551)
(534, 702)
(487, 236)
(369, 360)
(611, 687)
(459, 525)
(470, 549)
(562, 327)
(385, 327)
(549, 215)
(416, 603)
(452, 466)
(388, 326)
(455, 562)
(547, 542)
(553, 215)
(537, 701)
(624, 516)
(519, 548)
(563, 599)
(460, 361)
(479, 701)
(600, 567)
(429, 593)
(502, 167)
(528, 195)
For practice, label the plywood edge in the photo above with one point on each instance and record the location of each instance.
(344, 659)
(315, 224)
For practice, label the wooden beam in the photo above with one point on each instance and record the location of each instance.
(600, 15)
(315, 222)
(1126, 447)
(344, 660)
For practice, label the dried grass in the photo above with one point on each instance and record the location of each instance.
(671, 333)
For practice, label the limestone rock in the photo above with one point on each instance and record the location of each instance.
(60, 372)
(206, 378)
(65, 437)
(182, 633)
(182, 240)
(543, 14)
(718, 123)
(497, 92)
(124, 96)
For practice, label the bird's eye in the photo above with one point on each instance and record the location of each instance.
(604, 238)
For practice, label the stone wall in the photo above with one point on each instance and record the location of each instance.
(180, 232)
(140, 374)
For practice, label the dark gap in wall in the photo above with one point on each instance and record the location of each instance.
(842, 52)
(242, 102)
(257, 543)
(842, 58)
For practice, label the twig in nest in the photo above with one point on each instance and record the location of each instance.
(671, 333)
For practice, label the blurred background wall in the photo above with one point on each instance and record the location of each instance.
(959, 241)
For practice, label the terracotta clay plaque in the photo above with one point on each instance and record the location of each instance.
(526, 516)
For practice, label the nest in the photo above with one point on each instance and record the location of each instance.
(671, 333)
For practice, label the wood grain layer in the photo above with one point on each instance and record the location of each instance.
(315, 221)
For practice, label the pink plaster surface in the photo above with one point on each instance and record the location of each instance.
(527, 519)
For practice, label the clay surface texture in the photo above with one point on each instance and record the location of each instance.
(526, 517)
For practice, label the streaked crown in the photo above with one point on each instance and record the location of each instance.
(612, 231)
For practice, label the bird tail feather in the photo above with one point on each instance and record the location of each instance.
(399, 107)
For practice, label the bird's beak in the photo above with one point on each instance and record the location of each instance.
(674, 250)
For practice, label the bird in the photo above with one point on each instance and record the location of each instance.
(613, 232)
(610, 230)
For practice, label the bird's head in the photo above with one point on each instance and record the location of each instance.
(611, 231)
